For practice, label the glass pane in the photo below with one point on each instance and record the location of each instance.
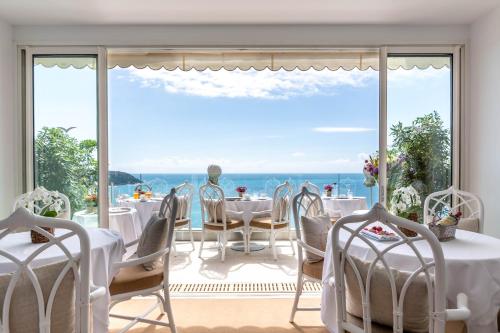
(419, 109)
(65, 130)
(262, 127)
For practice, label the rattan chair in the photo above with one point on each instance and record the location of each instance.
(313, 188)
(133, 280)
(308, 204)
(51, 298)
(216, 219)
(372, 295)
(453, 200)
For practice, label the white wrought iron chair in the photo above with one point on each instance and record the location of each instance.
(308, 204)
(215, 218)
(453, 200)
(184, 194)
(51, 298)
(133, 280)
(277, 218)
(353, 277)
(313, 188)
(35, 207)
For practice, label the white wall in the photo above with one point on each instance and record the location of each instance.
(8, 162)
(484, 117)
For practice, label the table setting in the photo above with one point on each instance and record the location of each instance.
(145, 206)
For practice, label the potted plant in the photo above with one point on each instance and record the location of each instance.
(405, 203)
(241, 191)
(328, 189)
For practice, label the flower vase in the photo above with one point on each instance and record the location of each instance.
(38, 238)
(329, 193)
(241, 194)
(407, 232)
(91, 209)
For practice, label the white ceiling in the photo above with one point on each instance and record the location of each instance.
(83, 12)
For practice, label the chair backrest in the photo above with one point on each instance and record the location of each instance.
(429, 273)
(184, 193)
(313, 188)
(453, 200)
(168, 209)
(212, 202)
(62, 285)
(38, 199)
(282, 199)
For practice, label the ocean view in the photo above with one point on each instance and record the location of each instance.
(256, 184)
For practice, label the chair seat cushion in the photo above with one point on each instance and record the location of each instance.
(313, 269)
(231, 224)
(181, 222)
(266, 222)
(135, 278)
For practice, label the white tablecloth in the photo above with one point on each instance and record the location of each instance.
(344, 207)
(472, 266)
(144, 208)
(87, 220)
(125, 221)
(249, 207)
(106, 247)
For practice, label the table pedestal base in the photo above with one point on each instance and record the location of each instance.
(240, 246)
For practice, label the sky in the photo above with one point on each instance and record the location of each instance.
(246, 121)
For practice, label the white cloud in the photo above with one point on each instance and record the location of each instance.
(363, 156)
(342, 129)
(264, 84)
(298, 154)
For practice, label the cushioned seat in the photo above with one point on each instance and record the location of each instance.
(265, 223)
(313, 269)
(181, 222)
(135, 278)
(231, 224)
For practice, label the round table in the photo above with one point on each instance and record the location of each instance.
(340, 207)
(144, 208)
(472, 266)
(248, 208)
(106, 247)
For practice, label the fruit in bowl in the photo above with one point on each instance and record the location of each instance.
(378, 230)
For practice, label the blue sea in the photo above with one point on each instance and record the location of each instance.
(256, 184)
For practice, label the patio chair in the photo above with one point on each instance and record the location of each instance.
(34, 206)
(313, 188)
(184, 193)
(52, 298)
(372, 296)
(148, 275)
(306, 204)
(453, 200)
(277, 219)
(215, 218)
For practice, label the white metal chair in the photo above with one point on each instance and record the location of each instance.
(313, 188)
(453, 200)
(429, 276)
(215, 218)
(33, 201)
(133, 280)
(308, 204)
(277, 218)
(51, 298)
(184, 194)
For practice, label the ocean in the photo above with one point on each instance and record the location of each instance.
(256, 184)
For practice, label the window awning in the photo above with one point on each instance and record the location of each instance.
(245, 60)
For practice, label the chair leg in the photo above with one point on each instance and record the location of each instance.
(168, 309)
(291, 240)
(191, 234)
(174, 247)
(298, 292)
(202, 241)
(223, 241)
(273, 244)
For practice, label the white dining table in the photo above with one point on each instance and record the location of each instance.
(340, 207)
(472, 266)
(125, 220)
(144, 208)
(248, 208)
(106, 247)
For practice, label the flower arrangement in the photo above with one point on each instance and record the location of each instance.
(91, 200)
(328, 188)
(445, 228)
(370, 170)
(405, 201)
(241, 190)
(43, 202)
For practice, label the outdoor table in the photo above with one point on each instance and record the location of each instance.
(335, 206)
(144, 208)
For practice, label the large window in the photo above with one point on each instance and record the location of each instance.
(65, 128)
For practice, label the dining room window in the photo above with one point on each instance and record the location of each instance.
(419, 130)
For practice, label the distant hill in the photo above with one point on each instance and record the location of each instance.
(122, 178)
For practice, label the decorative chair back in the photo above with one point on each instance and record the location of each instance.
(430, 274)
(184, 194)
(39, 199)
(213, 209)
(282, 199)
(453, 200)
(168, 209)
(313, 188)
(58, 290)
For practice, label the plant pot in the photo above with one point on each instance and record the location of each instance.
(91, 209)
(328, 193)
(407, 232)
(38, 238)
(241, 194)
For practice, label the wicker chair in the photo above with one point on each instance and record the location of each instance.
(313, 188)
(215, 218)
